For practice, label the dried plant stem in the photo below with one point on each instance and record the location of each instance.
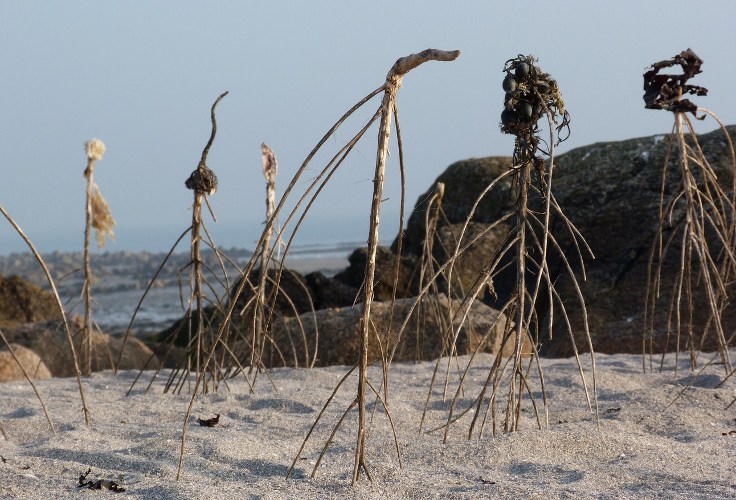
(522, 324)
(55, 293)
(707, 262)
(86, 342)
(197, 294)
(391, 87)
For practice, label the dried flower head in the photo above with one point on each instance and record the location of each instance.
(270, 165)
(102, 220)
(95, 149)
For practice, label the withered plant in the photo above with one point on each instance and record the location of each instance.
(203, 182)
(261, 310)
(202, 304)
(697, 227)
(386, 112)
(298, 213)
(97, 216)
(531, 95)
(67, 330)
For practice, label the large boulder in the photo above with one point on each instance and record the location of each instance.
(48, 339)
(29, 360)
(611, 192)
(330, 292)
(292, 297)
(23, 302)
(337, 338)
(464, 183)
(385, 274)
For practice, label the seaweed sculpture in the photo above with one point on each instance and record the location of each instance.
(697, 225)
(530, 95)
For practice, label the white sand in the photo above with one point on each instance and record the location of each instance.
(642, 450)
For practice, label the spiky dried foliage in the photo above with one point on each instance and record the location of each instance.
(697, 227)
(531, 95)
(239, 347)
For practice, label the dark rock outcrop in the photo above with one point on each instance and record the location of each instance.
(611, 192)
(385, 275)
(23, 302)
(330, 292)
(292, 297)
(464, 182)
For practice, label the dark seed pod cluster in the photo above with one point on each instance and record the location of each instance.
(202, 181)
(530, 94)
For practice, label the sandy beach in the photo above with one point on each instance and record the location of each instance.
(641, 447)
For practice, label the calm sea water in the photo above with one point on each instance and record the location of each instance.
(113, 308)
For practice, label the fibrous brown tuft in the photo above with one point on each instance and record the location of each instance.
(202, 181)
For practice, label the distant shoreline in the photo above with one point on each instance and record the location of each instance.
(120, 279)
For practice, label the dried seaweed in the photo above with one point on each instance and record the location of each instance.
(697, 226)
(209, 422)
(100, 484)
(665, 91)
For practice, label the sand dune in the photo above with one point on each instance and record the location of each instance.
(640, 449)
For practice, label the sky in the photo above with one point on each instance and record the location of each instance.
(142, 75)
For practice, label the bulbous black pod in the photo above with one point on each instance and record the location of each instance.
(509, 84)
(509, 117)
(525, 110)
(522, 70)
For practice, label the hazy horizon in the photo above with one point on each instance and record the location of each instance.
(142, 76)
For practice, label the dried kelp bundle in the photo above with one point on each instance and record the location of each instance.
(516, 379)
(202, 181)
(209, 422)
(102, 219)
(100, 484)
(531, 94)
(665, 91)
(697, 229)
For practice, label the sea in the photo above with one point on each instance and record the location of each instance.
(121, 278)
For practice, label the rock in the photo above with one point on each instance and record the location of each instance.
(385, 274)
(338, 341)
(611, 192)
(464, 182)
(31, 362)
(330, 292)
(48, 339)
(471, 263)
(293, 296)
(23, 302)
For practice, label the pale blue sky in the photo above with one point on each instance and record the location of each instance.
(141, 76)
